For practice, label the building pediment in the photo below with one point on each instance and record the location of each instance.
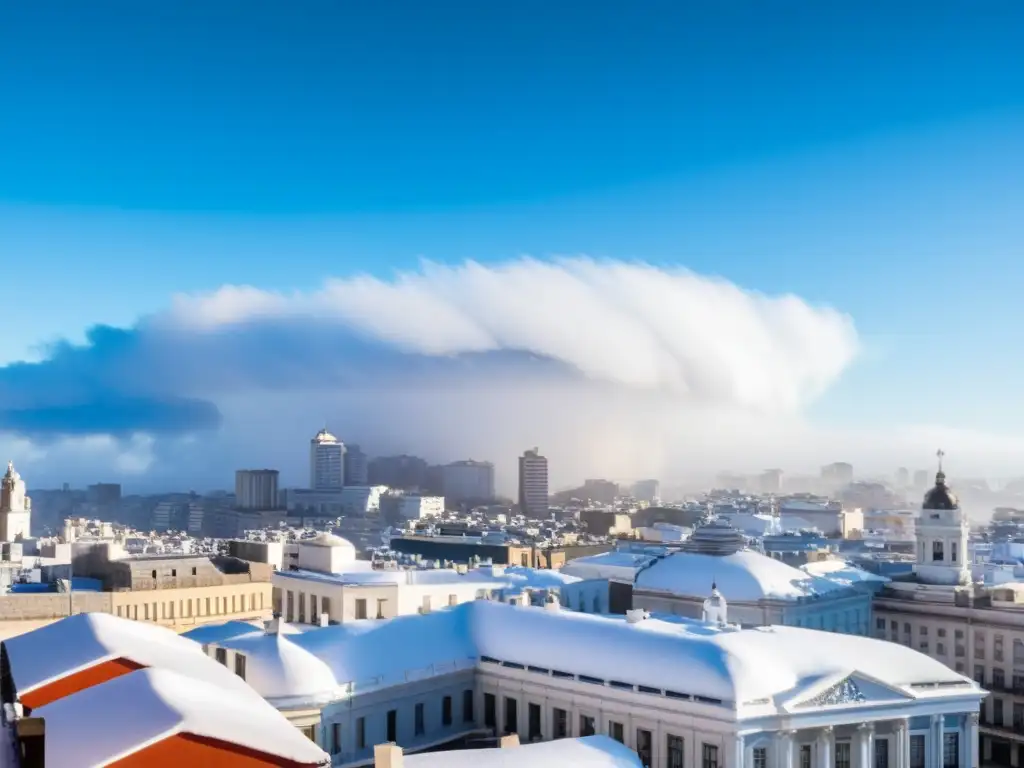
(845, 690)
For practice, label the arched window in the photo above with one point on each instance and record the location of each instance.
(937, 551)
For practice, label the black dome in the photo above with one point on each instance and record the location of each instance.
(940, 497)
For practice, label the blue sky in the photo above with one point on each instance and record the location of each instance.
(867, 156)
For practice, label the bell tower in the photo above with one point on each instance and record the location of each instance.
(942, 534)
(15, 507)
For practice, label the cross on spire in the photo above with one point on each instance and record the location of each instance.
(940, 453)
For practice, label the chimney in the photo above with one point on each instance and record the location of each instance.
(31, 733)
(325, 619)
(387, 756)
(272, 627)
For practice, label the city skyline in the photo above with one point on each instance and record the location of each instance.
(656, 241)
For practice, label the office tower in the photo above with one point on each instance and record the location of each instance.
(256, 489)
(326, 462)
(468, 481)
(356, 466)
(533, 484)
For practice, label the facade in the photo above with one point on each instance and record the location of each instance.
(15, 507)
(533, 484)
(397, 507)
(361, 499)
(645, 490)
(326, 462)
(976, 629)
(701, 693)
(256, 489)
(468, 481)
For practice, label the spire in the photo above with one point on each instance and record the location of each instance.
(940, 476)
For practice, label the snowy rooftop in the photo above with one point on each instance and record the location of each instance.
(762, 667)
(742, 576)
(81, 641)
(118, 718)
(586, 752)
(613, 564)
(841, 571)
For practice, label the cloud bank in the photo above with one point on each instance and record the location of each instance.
(600, 362)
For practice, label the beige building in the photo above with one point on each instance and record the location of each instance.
(175, 591)
(975, 630)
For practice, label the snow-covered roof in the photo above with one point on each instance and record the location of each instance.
(326, 539)
(215, 633)
(609, 565)
(585, 752)
(110, 721)
(762, 667)
(81, 641)
(742, 576)
(282, 671)
(841, 572)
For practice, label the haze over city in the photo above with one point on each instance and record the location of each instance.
(649, 241)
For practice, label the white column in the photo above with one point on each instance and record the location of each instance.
(826, 747)
(903, 744)
(866, 745)
(739, 752)
(784, 741)
(936, 739)
(971, 737)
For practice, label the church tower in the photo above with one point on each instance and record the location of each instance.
(15, 507)
(942, 532)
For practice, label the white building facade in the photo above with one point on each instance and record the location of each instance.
(468, 480)
(15, 507)
(326, 462)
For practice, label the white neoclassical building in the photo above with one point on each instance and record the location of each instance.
(679, 692)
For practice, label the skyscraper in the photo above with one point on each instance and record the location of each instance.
(256, 489)
(533, 484)
(326, 462)
(356, 466)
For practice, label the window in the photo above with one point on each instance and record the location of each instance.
(380, 607)
(958, 634)
(361, 733)
(392, 733)
(674, 751)
(617, 732)
(880, 623)
(643, 746)
(960, 651)
(419, 726)
(940, 648)
(937, 551)
(761, 757)
(881, 753)
(923, 647)
(194, 572)
(314, 615)
(842, 754)
(906, 628)
(533, 732)
(805, 756)
(174, 571)
(467, 706)
(923, 630)
(154, 574)
(709, 756)
(1018, 651)
(309, 732)
(446, 710)
(1018, 683)
(335, 738)
(1018, 715)
(917, 752)
(952, 551)
(222, 656)
(587, 726)
(997, 647)
(490, 711)
(998, 678)
(361, 608)
(979, 674)
(559, 723)
(453, 599)
(997, 712)
(979, 645)
(240, 665)
(942, 632)
(511, 715)
(325, 605)
(951, 750)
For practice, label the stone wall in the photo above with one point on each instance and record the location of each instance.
(51, 605)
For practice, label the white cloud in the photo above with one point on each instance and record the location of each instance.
(628, 324)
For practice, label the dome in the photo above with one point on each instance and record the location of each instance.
(940, 497)
(326, 539)
(323, 436)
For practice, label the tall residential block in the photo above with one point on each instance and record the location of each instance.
(326, 462)
(533, 484)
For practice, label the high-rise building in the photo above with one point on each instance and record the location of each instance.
(468, 481)
(256, 489)
(771, 481)
(902, 477)
(15, 507)
(326, 462)
(533, 484)
(405, 472)
(837, 475)
(356, 466)
(645, 490)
